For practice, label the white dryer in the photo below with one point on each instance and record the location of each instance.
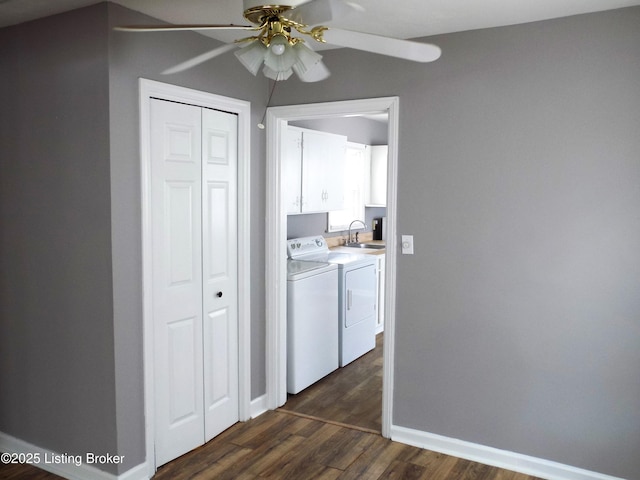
(312, 314)
(357, 283)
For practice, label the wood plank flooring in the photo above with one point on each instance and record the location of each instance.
(282, 445)
(329, 431)
(350, 395)
(25, 472)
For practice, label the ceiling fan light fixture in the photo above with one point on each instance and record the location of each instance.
(278, 44)
(281, 30)
(306, 59)
(317, 73)
(277, 75)
(252, 56)
(280, 62)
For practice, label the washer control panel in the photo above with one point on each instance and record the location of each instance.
(299, 247)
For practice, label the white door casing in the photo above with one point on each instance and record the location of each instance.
(275, 241)
(240, 189)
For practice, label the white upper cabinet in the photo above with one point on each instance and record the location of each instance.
(292, 169)
(313, 166)
(378, 176)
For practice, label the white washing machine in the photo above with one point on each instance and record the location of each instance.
(357, 283)
(312, 315)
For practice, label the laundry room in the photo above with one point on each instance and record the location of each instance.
(335, 266)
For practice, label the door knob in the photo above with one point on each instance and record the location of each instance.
(219, 294)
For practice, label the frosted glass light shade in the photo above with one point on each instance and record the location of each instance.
(306, 60)
(283, 60)
(275, 75)
(317, 73)
(252, 56)
(309, 66)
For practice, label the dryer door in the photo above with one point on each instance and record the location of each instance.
(360, 295)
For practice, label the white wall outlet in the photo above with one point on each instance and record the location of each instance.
(407, 244)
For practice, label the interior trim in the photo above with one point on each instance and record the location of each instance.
(259, 406)
(276, 233)
(517, 462)
(85, 471)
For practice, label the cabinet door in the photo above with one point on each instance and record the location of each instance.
(334, 172)
(322, 171)
(292, 170)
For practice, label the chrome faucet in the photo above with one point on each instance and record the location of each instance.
(349, 242)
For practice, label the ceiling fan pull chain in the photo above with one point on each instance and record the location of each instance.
(261, 124)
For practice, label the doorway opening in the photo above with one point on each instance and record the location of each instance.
(278, 119)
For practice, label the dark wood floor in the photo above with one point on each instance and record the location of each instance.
(350, 395)
(25, 472)
(329, 431)
(282, 445)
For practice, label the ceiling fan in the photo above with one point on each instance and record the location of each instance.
(278, 44)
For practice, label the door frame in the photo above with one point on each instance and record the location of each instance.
(276, 236)
(152, 89)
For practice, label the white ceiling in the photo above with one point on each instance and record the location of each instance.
(407, 19)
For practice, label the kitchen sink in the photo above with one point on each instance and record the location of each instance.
(374, 246)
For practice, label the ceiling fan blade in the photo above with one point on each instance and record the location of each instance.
(200, 59)
(172, 28)
(393, 47)
(321, 11)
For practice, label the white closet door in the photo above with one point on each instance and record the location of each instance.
(194, 193)
(219, 254)
(177, 278)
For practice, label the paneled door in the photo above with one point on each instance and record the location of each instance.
(219, 264)
(194, 261)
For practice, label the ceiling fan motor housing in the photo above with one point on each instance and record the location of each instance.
(250, 4)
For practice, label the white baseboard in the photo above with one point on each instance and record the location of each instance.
(68, 467)
(136, 473)
(259, 406)
(517, 462)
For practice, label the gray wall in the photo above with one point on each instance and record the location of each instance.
(56, 310)
(144, 55)
(518, 317)
(70, 284)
